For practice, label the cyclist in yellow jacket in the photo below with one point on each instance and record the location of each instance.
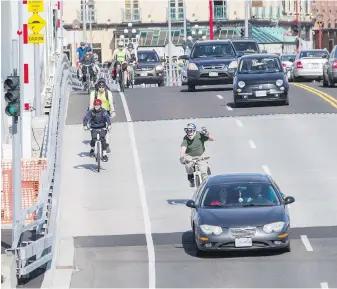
(121, 55)
(105, 95)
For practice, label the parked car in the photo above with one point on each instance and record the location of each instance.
(308, 65)
(240, 212)
(149, 69)
(211, 62)
(287, 62)
(260, 78)
(330, 69)
(246, 46)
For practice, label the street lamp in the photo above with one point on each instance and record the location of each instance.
(131, 32)
(75, 26)
(91, 6)
(197, 33)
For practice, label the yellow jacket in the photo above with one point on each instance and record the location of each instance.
(108, 105)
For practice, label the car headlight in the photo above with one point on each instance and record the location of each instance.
(208, 230)
(192, 66)
(241, 84)
(273, 227)
(159, 67)
(279, 82)
(233, 65)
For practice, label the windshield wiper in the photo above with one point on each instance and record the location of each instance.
(257, 205)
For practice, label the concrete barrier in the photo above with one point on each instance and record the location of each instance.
(8, 271)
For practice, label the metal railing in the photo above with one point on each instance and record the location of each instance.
(33, 254)
(131, 15)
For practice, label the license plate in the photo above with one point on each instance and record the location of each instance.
(213, 74)
(315, 65)
(261, 93)
(243, 242)
(143, 74)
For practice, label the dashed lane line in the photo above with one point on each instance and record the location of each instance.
(239, 123)
(324, 285)
(306, 243)
(252, 144)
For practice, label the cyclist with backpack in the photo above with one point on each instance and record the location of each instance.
(102, 93)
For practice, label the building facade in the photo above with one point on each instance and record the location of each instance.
(110, 16)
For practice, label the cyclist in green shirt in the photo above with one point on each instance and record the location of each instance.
(121, 55)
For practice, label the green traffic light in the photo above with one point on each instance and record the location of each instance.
(13, 109)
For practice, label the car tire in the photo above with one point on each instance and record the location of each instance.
(325, 83)
(286, 102)
(197, 251)
(330, 84)
(161, 84)
(287, 249)
(209, 171)
(191, 88)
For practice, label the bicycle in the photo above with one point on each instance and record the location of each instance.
(98, 152)
(196, 171)
(88, 79)
(131, 80)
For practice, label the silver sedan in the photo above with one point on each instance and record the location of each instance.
(309, 65)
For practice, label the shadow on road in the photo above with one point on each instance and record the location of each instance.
(253, 104)
(89, 167)
(209, 89)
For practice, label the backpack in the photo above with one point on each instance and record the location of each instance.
(106, 94)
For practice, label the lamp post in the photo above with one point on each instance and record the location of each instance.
(197, 32)
(91, 6)
(75, 26)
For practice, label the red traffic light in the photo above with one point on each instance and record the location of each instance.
(296, 22)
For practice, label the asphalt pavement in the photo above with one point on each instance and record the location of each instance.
(128, 227)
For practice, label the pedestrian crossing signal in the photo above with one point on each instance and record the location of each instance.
(12, 96)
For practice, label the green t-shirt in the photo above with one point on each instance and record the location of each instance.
(195, 146)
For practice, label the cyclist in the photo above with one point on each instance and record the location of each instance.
(132, 61)
(97, 118)
(193, 145)
(102, 93)
(82, 50)
(121, 55)
(88, 59)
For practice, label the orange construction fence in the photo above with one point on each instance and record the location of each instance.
(31, 171)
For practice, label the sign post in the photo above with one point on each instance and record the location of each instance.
(36, 23)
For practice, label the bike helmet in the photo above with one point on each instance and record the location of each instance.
(82, 44)
(101, 84)
(97, 102)
(120, 44)
(130, 46)
(190, 130)
(89, 49)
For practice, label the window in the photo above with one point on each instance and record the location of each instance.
(258, 65)
(264, 12)
(248, 46)
(147, 56)
(271, 12)
(90, 13)
(222, 50)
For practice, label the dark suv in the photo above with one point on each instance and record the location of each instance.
(211, 62)
(149, 68)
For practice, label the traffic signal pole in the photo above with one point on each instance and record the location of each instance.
(211, 30)
(246, 17)
(297, 21)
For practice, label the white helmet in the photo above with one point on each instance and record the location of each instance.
(190, 130)
(120, 43)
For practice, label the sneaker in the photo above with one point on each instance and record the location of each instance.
(92, 153)
(105, 158)
(108, 148)
(191, 183)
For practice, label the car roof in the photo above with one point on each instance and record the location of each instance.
(243, 40)
(239, 177)
(260, 55)
(147, 51)
(207, 42)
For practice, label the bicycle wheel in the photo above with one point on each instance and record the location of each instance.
(132, 77)
(121, 80)
(197, 181)
(98, 156)
(88, 82)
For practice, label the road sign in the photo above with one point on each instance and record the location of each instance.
(257, 3)
(35, 38)
(36, 23)
(35, 6)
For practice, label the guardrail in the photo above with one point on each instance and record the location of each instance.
(35, 253)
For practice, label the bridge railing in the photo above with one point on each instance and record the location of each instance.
(35, 253)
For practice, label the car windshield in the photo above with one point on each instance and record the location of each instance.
(213, 50)
(259, 65)
(289, 58)
(240, 195)
(314, 53)
(246, 47)
(144, 57)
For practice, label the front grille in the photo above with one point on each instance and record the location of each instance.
(206, 75)
(217, 67)
(262, 86)
(145, 69)
(242, 232)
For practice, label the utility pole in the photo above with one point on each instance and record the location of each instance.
(211, 30)
(246, 17)
(185, 24)
(297, 23)
(37, 84)
(170, 44)
(84, 22)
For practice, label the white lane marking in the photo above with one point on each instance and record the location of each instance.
(324, 285)
(142, 195)
(219, 96)
(266, 170)
(306, 243)
(228, 107)
(239, 123)
(252, 144)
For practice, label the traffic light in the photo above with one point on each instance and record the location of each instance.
(294, 28)
(188, 27)
(242, 32)
(12, 96)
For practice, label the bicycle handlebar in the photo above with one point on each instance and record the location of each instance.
(98, 129)
(196, 159)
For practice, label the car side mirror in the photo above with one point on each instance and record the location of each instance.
(190, 204)
(325, 56)
(239, 54)
(289, 200)
(184, 57)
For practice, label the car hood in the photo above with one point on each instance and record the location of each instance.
(212, 61)
(147, 65)
(234, 217)
(264, 76)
